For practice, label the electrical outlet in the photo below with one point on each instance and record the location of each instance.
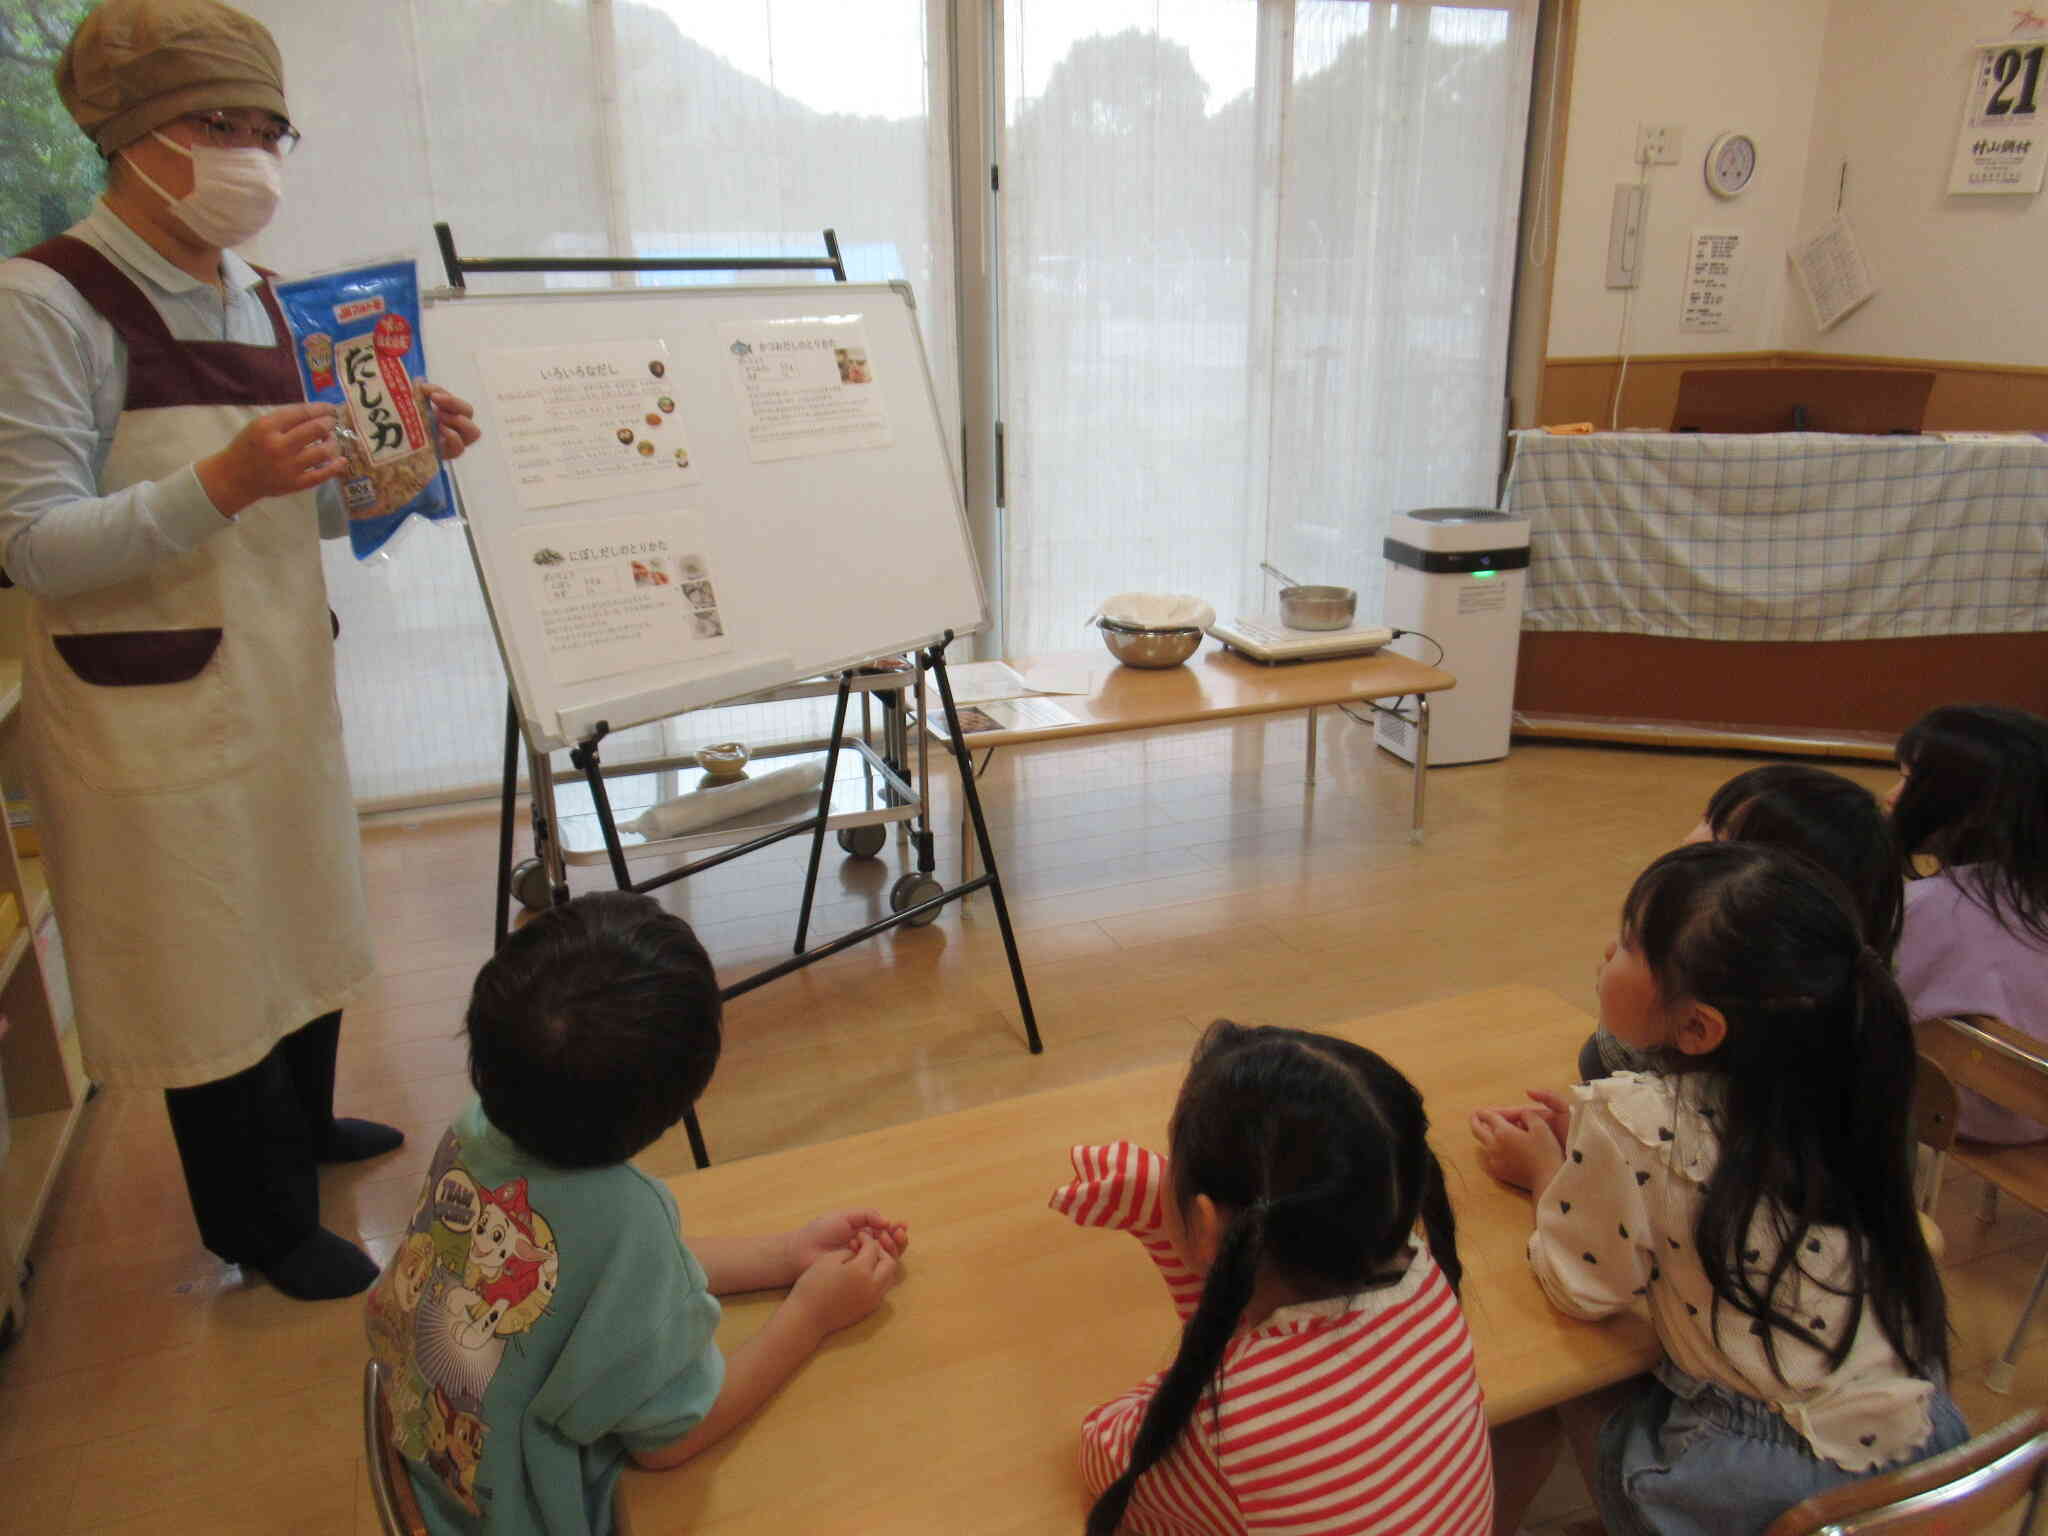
(1659, 143)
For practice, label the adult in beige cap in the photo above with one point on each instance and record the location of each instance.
(161, 489)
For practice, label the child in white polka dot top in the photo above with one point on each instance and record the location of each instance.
(1755, 1192)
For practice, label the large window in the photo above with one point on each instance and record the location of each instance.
(1251, 281)
(1257, 263)
(587, 127)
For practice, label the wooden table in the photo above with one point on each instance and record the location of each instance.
(958, 1405)
(1215, 684)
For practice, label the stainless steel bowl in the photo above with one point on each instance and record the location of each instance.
(1317, 607)
(1150, 647)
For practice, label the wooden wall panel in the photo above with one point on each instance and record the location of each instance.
(1847, 686)
(1967, 396)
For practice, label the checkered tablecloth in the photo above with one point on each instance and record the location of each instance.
(1789, 536)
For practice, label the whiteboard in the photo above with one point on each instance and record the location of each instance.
(817, 541)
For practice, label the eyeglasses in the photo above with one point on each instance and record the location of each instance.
(220, 131)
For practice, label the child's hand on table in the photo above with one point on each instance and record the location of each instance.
(844, 1285)
(1549, 1107)
(1518, 1146)
(840, 1232)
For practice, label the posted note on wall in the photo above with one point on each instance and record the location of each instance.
(2002, 148)
(587, 422)
(806, 386)
(1832, 272)
(620, 593)
(1713, 279)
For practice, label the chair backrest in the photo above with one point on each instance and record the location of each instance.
(1991, 1057)
(1960, 1490)
(1934, 1128)
(398, 1507)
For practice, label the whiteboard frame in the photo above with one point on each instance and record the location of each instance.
(553, 716)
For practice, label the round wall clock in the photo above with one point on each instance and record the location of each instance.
(1731, 162)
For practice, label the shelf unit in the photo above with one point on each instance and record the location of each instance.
(43, 1080)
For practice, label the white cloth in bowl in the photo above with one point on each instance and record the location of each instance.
(1157, 610)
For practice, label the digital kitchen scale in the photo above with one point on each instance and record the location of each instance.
(1267, 639)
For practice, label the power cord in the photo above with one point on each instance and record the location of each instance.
(1399, 703)
(1435, 661)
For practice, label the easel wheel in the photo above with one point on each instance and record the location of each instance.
(530, 885)
(863, 842)
(912, 890)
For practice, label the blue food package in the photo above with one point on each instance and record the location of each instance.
(356, 334)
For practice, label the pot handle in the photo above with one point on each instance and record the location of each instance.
(1284, 577)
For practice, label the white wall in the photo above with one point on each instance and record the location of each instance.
(1878, 83)
(1748, 64)
(1959, 278)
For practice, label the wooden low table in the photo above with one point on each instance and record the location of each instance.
(1215, 684)
(958, 1406)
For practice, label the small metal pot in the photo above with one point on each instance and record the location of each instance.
(1317, 607)
(1150, 647)
(1313, 607)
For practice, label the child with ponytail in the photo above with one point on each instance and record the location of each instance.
(1757, 1192)
(1324, 1380)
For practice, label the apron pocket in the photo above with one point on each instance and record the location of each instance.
(143, 710)
(138, 657)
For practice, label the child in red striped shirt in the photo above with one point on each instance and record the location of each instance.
(1324, 1382)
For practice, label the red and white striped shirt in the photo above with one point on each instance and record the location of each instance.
(1356, 1416)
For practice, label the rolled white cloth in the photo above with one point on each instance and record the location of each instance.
(722, 802)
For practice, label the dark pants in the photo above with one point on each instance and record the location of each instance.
(251, 1145)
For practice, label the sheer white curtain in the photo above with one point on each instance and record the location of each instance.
(1257, 278)
(586, 127)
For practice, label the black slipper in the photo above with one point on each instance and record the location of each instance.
(352, 1141)
(322, 1268)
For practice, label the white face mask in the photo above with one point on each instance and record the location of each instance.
(235, 192)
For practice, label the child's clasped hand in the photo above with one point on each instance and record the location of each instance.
(1523, 1144)
(840, 1232)
(844, 1285)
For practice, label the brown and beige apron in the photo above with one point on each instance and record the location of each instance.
(185, 741)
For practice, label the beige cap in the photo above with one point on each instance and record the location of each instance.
(133, 65)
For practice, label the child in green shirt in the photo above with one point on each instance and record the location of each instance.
(542, 1319)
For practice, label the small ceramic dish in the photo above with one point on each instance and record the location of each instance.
(724, 760)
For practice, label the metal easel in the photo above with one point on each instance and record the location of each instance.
(917, 898)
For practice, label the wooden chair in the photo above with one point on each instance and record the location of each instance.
(1960, 1490)
(398, 1508)
(2009, 1068)
(1934, 1132)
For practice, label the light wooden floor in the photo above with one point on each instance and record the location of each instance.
(1157, 882)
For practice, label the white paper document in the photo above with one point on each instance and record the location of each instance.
(586, 422)
(618, 594)
(1713, 280)
(806, 386)
(1006, 715)
(1832, 273)
(977, 682)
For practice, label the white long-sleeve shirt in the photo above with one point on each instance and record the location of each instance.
(63, 384)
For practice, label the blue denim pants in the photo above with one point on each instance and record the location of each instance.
(1687, 1458)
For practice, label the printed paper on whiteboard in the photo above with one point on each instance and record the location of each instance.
(1832, 273)
(587, 422)
(806, 386)
(618, 594)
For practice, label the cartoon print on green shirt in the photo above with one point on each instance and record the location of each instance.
(476, 1268)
